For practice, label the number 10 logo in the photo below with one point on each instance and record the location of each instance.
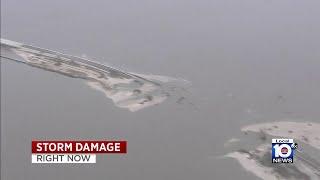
(283, 150)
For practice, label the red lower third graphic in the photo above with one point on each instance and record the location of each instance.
(74, 151)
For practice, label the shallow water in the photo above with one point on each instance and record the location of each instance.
(126, 89)
(248, 62)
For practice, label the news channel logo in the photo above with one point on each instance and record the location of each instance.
(283, 150)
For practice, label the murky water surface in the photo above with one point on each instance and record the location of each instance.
(197, 88)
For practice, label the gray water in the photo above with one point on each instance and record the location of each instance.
(248, 62)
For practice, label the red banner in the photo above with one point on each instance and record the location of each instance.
(93, 147)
